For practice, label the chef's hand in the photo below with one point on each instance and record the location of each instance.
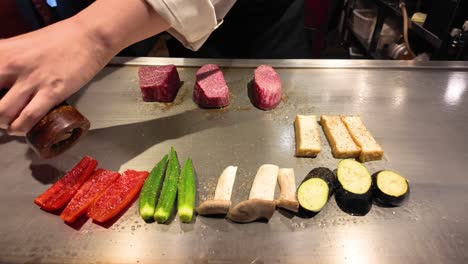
(44, 67)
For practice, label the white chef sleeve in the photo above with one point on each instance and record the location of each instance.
(192, 21)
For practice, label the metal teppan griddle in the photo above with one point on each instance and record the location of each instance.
(417, 112)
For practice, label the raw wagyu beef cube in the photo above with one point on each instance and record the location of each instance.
(211, 90)
(266, 88)
(159, 83)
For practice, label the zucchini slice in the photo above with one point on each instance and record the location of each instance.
(353, 193)
(313, 194)
(315, 190)
(391, 189)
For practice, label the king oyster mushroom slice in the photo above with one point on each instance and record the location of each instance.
(287, 183)
(222, 199)
(261, 203)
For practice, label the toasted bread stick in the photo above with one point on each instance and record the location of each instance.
(307, 136)
(370, 149)
(340, 140)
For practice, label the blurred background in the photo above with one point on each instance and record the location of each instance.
(336, 29)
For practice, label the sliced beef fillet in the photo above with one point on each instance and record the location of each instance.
(159, 83)
(266, 88)
(211, 90)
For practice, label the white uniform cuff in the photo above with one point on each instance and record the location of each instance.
(192, 21)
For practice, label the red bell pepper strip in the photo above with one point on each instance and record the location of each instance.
(88, 193)
(59, 194)
(118, 196)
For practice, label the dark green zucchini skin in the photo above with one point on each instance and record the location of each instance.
(304, 213)
(351, 203)
(325, 174)
(383, 199)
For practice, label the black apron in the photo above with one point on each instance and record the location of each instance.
(256, 29)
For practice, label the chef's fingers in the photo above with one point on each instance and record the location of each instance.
(31, 114)
(9, 69)
(6, 81)
(3, 91)
(13, 102)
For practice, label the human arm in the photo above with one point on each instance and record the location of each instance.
(44, 67)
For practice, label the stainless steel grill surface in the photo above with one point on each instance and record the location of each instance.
(417, 112)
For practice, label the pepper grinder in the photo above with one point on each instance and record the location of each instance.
(57, 131)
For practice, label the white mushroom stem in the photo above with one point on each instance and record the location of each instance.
(264, 184)
(225, 184)
(287, 182)
(222, 199)
(261, 204)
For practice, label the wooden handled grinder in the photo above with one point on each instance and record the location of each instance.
(57, 131)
